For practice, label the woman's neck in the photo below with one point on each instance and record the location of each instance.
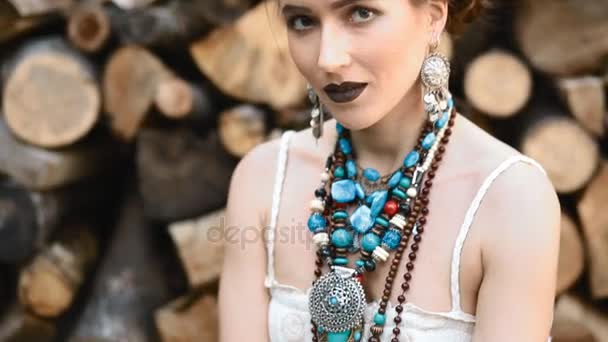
(384, 145)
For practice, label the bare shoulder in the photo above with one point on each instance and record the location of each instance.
(520, 213)
(526, 213)
(520, 196)
(252, 180)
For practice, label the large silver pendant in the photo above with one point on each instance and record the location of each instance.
(337, 304)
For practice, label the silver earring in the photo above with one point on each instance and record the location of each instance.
(435, 75)
(316, 121)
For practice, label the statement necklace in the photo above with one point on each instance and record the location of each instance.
(382, 223)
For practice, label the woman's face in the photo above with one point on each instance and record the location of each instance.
(378, 44)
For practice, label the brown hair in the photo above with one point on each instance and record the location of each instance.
(462, 12)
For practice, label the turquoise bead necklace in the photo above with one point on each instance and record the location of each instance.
(382, 222)
(370, 220)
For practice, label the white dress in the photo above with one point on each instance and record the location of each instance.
(288, 315)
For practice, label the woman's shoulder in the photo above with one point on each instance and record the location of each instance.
(482, 153)
(515, 174)
(252, 180)
(520, 206)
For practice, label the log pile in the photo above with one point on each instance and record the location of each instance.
(533, 84)
(121, 123)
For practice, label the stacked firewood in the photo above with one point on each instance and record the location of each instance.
(121, 123)
(109, 133)
(543, 90)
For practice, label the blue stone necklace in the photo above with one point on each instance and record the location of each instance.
(382, 222)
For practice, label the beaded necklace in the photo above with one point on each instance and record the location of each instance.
(382, 223)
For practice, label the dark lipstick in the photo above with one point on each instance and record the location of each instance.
(345, 92)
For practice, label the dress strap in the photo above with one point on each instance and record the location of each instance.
(276, 200)
(468, 219)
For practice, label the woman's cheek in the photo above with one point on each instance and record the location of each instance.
(300, 57)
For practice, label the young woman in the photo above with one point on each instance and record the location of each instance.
(396, 220)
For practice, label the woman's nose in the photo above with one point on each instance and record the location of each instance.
(333, 51)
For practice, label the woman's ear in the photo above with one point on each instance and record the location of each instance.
(438, 15)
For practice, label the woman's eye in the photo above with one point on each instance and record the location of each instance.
(299, 23)
(364, 13)
(357, 15)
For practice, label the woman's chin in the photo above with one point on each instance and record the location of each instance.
(353, 121)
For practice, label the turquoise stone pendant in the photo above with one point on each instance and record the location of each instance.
(341, 336)
(354, 335)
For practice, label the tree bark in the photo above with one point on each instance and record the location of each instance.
(180, 174)
(175, 23)
(29, 218)
(128, 285)
(43, 169)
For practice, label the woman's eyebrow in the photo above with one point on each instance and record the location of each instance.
(287, 9)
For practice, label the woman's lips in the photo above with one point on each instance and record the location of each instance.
(345, 92)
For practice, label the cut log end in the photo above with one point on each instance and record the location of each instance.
(89, 28)
(174, 98)
(571, 26)
(498, 83)
(42, 288)
(51, 118)
(49, 284)
(564, 149)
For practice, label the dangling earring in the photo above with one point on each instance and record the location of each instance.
(316, 121)
(435, 75)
